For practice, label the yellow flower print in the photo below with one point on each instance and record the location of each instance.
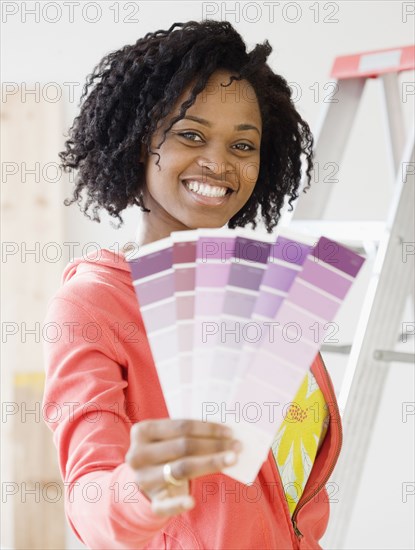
(299, 438)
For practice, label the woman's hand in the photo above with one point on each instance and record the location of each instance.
(192, 448)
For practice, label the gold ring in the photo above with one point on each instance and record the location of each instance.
(169, 477)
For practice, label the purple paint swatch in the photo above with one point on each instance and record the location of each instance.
(294, 336)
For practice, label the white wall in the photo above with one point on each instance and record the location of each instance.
(44, 52)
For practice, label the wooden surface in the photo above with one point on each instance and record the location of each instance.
(32, 217)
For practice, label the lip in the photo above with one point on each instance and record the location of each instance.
(206, 201)
(209, 181)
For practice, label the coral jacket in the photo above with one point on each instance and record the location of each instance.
(100, 379)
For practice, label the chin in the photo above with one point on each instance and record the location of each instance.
(208, 223)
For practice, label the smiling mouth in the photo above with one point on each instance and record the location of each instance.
(206, 190)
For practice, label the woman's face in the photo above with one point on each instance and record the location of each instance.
(209, 161)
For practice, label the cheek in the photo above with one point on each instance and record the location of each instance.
(171, 164)
(250, 173)
(162, 181)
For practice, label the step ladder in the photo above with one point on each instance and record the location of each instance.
(389, 244)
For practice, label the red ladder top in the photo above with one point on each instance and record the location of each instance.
(372, 64)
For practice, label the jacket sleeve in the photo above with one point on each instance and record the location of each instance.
(83, 404)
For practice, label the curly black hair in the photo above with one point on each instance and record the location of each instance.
(139, 84)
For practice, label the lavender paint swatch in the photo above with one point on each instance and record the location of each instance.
(154, 283)
(215, 249)
(235, 317)
(247, 269)
(292, 341)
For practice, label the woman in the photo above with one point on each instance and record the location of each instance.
(198, 133)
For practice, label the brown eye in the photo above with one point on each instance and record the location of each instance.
(184, 134)
(250, 148)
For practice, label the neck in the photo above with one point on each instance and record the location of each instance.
(153, 229)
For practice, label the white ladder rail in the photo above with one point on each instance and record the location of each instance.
(370, 354)
(394, 117)
(373, 345)
(398, 229)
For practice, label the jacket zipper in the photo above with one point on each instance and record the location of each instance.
(304, 501)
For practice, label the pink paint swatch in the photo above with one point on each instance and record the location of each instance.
(215, 249)
(184, 265)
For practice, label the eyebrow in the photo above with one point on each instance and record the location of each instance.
(239, 127)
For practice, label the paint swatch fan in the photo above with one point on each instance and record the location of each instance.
(234, 319)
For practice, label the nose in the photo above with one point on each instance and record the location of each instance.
(216, 161)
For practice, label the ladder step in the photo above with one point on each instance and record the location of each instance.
(379, 354)
(333, 348)
(390, 356)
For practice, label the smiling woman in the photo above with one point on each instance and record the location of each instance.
(197, 132)
(209, 160)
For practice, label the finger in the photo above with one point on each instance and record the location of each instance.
(191, 467)
(152, 484)
(172, 506)
(166, 428)
(151, 479)
(169, 491)
(161, 452)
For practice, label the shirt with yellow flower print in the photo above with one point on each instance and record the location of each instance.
(299, 438)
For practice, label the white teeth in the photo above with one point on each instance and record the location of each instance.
(205, 189)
